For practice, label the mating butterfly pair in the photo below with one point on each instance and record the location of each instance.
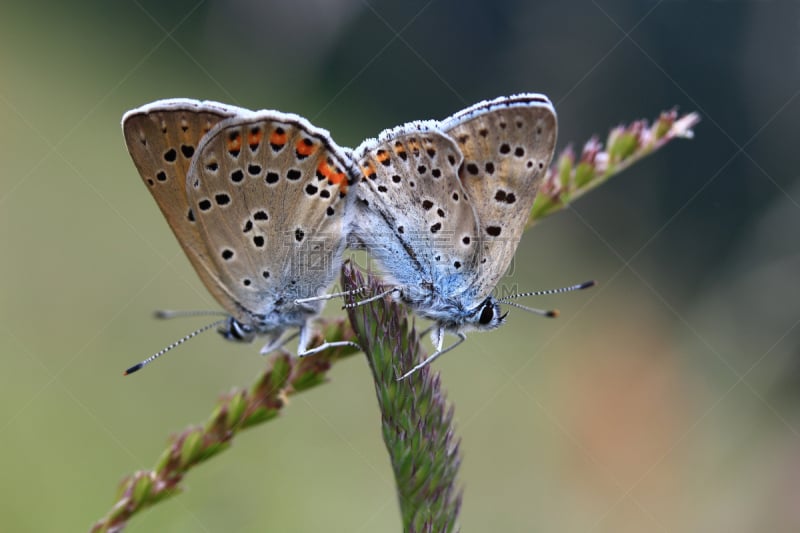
(263, 204)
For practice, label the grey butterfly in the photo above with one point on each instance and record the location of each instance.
(259, 203)
(442, 206)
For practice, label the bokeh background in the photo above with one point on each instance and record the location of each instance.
(665, 399)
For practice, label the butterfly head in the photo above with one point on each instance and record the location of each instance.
(487, 315)
(233, 330)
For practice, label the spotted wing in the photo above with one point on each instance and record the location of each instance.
(161, 138)
(269, 192)
(411, 210)
(507, 145)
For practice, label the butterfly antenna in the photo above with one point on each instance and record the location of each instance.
(138, 366)
(166, 314)
(549, 313)
(578, 287)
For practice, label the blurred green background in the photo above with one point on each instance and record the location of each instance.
(665, 399)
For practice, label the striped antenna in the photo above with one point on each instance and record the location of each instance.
(138, 366)
(578, 287)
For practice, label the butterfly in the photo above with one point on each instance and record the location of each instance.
(259, 202)
(441, 205)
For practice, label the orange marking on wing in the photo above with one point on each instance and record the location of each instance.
(278, 139)
(254, 137)
(234, 143)
(304, 149)
(382, 156)
(369, 170)
(334, 178)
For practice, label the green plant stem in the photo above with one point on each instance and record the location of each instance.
(416, 420)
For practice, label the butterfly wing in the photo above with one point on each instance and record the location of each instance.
(507, 145)
(412, 213)
(161, 138)
(269, 192)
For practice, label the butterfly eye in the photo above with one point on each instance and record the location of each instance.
(487, 313)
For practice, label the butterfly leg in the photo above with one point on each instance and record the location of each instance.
(428, 330)
(305, 338)
(437, 337)
(439, 352)
(330, 296)
(276, 342)
(394, 291)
